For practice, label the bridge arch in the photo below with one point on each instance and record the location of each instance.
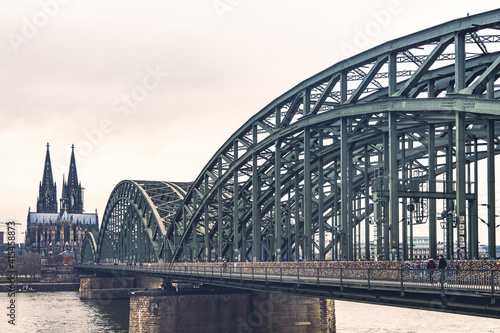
(341, 166)
(89, 248)
(357, 149)
(134, 222)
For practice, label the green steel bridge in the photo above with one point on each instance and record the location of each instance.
(464, 291)
(403, 134)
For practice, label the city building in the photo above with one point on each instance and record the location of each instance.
(420, 249)
(51, 231)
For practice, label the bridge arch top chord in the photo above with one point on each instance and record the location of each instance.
(135, 220)
(296, 179)
(89, 248)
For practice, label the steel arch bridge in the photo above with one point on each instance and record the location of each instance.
(133, 229)
(357, 153)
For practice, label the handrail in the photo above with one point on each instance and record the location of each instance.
(475, 281)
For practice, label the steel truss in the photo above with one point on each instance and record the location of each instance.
(353, 145)
(89, 248)
(135, 221)
(371, 145)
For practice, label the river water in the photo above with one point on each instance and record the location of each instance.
(64, 312)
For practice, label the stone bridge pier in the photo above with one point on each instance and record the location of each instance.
(230, 311)
(115, 287)
(157, 305)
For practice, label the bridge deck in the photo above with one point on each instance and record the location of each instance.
(462, 291)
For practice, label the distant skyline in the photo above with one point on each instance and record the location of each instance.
(151, 91)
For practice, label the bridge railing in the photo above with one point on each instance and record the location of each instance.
(404, 279)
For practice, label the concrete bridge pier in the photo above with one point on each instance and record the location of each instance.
(230, 311)
(115, 287)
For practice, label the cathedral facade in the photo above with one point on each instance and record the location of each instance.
(51, 230)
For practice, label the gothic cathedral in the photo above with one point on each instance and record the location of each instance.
(51, 232)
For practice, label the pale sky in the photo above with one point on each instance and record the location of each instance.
(149, 90)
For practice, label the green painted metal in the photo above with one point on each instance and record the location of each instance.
(297, 179)
(135, 219)
(491, 188)
(432, 188)
(89, 248)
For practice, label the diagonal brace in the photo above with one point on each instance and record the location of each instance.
(367, 79)
(479, 85)
(443, 43)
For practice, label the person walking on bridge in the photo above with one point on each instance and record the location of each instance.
(442, 266)
(431, 265)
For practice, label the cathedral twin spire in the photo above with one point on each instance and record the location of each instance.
(47, 202)
(72, 192)
(71, 199)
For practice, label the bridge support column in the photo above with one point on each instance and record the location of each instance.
(367, 205)
(230, 312)
(351, 225)
(117, 287)
(386, 216)
(278, 225)
(460, 177)
(345, 231)
(450, 207)
(298, 236)
(308, 241)
(207, 247)
(473, 215)
(393, 185)
(321, 221)
(491, 189)
(256, 212)
(239, 250)
(105, 288)
(404, 203)
(220, 229)
(288, 230)
(432, 188)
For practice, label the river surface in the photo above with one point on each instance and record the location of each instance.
(64, 312)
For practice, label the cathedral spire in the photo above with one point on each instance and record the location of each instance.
(72, 175)
(47, 202)
(72, 196)
(47, 171)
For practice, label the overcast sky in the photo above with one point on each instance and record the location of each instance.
(150, 90)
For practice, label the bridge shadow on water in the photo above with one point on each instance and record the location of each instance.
(114, 312)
